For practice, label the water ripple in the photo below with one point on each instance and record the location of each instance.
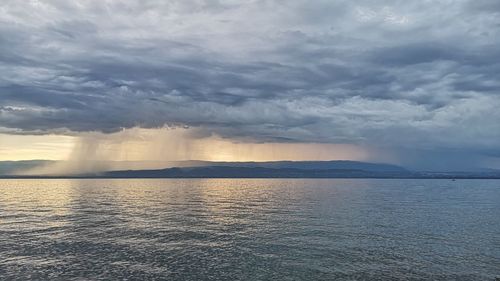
(249, 229)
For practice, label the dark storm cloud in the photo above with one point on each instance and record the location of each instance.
(386, 73)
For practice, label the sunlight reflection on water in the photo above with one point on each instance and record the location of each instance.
(249, 229)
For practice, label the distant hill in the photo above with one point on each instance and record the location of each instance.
(253, 172)
(304, 165)
(277, 169)
(14, 167)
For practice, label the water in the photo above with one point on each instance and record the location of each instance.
(242, 229)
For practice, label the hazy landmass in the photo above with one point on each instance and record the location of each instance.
(276, 169)
(19, 167)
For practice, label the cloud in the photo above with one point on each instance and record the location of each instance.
(386, 73)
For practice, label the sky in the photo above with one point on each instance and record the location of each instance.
(407, 82)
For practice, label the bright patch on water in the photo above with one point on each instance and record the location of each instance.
(241, 229)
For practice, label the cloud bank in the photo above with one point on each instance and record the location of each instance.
(419, 75)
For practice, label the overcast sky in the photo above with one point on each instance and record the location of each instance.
(417, 78)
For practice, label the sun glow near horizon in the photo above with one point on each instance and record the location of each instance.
(35, 147)
(138, 144)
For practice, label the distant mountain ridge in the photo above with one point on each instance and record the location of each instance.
(14, 167)
(275, 169)
(304, 165)
(250, 172)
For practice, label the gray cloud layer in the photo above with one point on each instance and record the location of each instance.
(418, 74)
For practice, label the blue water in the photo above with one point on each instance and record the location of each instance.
(249, 229)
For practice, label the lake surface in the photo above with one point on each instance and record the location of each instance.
(249, 229)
